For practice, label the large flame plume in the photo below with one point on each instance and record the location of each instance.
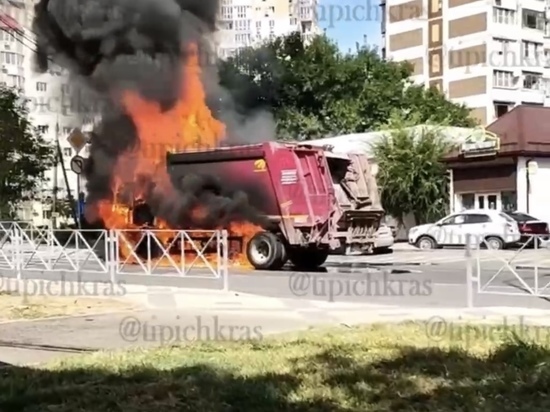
(143, 58)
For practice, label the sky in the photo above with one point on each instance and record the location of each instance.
(347, 21)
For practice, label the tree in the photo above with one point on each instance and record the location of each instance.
(411, 177)
(314, 90)
(24, 155)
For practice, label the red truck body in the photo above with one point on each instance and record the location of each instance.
(317, 201)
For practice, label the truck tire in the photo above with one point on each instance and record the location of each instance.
(265, 251)
(307, 258)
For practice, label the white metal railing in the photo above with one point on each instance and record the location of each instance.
(508, 276)
(198, 254)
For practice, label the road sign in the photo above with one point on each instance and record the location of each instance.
(77, 140)
(77, 164)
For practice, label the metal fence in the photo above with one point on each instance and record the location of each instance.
(524, 271)
(25, 249)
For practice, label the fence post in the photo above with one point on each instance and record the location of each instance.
(469, 272)
(17, 252)
(112, 254)
(225, 260)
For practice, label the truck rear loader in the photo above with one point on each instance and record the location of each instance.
(315, 200)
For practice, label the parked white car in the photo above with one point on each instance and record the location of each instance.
(497, 229)
(384, 239)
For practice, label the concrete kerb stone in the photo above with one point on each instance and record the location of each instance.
(493, 315)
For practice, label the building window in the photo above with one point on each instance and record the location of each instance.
(503, 79)
(41, 86)
(9, 58)
(16, 81)
(531, 49)
(468, 201)
(43, 128)
(227, 13)
(67, 151)
(504, 16)
(533, 19)
(503, 45)
(532, 81)
(435, 6)
(509, 201)
(436, 28)
(436, 63)
(242, 39)
(243, 25)
(241, 12)
(501, 108)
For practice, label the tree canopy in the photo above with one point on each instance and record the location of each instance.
(411, 177)
(314, 90)
(24, 154)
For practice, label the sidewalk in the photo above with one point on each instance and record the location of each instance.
(31, 342)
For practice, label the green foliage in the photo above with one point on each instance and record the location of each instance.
(314, 90)
(24, 154)
(411, 177)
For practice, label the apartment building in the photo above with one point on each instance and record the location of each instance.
(490, 55)
(244, 23)
(51, 110)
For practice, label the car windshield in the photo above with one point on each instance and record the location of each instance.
(520, 217)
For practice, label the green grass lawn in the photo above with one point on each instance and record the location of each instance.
(15, 306)
(374, 368)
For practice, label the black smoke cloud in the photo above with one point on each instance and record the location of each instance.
(114, 45)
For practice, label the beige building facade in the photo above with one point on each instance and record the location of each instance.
(490, 55)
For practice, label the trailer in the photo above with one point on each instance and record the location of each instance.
(315, 201)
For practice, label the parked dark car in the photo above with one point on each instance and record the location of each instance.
(529, 226)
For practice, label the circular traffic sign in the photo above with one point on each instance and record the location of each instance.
(77, 164)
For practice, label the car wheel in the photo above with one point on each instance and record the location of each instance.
(426, 242)
(494, 243)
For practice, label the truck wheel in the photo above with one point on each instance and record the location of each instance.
(308, 259)
(265, 251)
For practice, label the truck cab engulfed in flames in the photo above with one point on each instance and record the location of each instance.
(312, 200)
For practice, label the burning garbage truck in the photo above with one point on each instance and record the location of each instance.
(143, 61)
(305, 201)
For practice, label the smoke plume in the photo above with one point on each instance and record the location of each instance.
(111, 46)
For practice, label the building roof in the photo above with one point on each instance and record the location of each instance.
(524, 129)
(363, 142)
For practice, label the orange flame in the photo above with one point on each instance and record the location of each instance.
(189, 124)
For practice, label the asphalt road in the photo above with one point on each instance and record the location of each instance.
(418, 285)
